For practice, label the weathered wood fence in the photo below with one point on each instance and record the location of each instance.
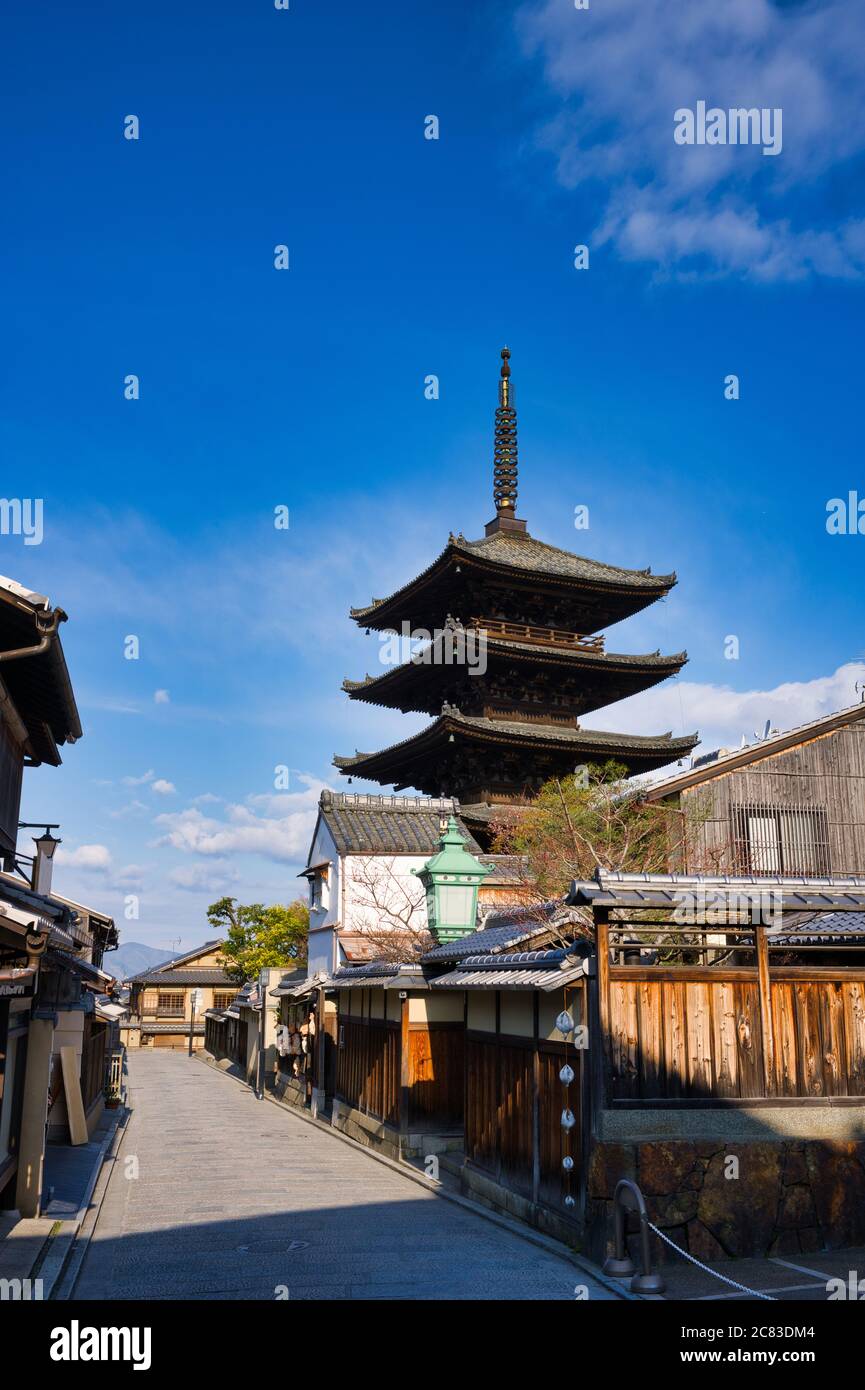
(715, 1034)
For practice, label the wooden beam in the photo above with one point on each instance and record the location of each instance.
(600, 1045)
(765, 990)
(404, 1066)
(536, 1104)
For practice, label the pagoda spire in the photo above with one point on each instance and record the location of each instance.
(505, 456)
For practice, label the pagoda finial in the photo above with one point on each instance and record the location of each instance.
(505, 455)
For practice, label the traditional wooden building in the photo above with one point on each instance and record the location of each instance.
(727, 1060)
(161, 1008)
(656, 1028)
(54, 1028)
(515, 657)
(362, 859)
(789, 803)
(404, 1033)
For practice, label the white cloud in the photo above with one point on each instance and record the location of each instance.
(161, 697)
(130, 876)
(204, 878)
(277, 826)
(96, 858)
(140, 781)
(622, 69)
(163, 788)
(132, 808)
(723, 715)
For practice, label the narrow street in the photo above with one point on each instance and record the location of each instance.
(238, 1198)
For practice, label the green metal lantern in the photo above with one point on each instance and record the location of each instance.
(451, 879)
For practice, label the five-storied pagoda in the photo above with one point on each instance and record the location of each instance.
(535, 613)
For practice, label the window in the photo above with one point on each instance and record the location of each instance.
(781, 840)
(171, 1004)
(222, 1001)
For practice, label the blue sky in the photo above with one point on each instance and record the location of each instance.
(305, 388)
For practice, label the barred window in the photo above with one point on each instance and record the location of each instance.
(222, 1001)
(780, 839)
(170, 1004)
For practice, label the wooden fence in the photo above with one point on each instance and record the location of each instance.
(514, 1103)
(705, 1034)
(436, 1065)
(368, 1066)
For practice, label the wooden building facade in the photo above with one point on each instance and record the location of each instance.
(791, 803)
(736, 1032)
(161, 1009)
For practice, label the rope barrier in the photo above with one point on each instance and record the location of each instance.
(732, 1282)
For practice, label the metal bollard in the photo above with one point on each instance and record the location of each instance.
(628, 1197)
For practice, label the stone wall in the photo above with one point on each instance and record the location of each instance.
(790, 1197)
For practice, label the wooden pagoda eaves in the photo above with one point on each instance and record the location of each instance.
(535, 752)
(587, 594)
(589, 678)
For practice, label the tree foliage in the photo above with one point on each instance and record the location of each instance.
(578, 824)
(256, 936)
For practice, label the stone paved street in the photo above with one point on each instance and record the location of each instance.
(236, 1197)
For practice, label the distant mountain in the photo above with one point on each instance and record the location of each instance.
(132, 957)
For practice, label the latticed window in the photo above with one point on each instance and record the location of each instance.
(172, 1004)
(222, 1000)
(780, 839)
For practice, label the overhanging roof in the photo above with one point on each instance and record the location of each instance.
(38, 683)
(177, 962)
(400, 762)
(622, 890)
(417, 685)
(372, 824)
(184, 977)
(541, 970)
(523, 561)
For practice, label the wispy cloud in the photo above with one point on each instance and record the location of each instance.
(723, 715)
(620, 70)
(277, 826)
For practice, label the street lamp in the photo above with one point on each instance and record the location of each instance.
(451, 879)
(194, 1002)
(46, 844)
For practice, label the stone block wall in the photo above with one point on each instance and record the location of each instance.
(791, 1197)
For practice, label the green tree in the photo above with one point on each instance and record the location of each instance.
(576, 825)
(256, 936)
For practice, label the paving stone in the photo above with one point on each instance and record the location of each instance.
(221, 1195)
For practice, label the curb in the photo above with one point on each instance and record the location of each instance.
(515, 1228)
(56, 1250)
(75, 1255)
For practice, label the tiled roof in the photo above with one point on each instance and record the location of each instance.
(819, 928)
(545, 970)
(509, 928)
(608, 889)
(589, 742)
(384, 687)
(183, 977)
(369, 824)
(177, 962)
(362, 972)
(525, 553)
(179, 1027)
